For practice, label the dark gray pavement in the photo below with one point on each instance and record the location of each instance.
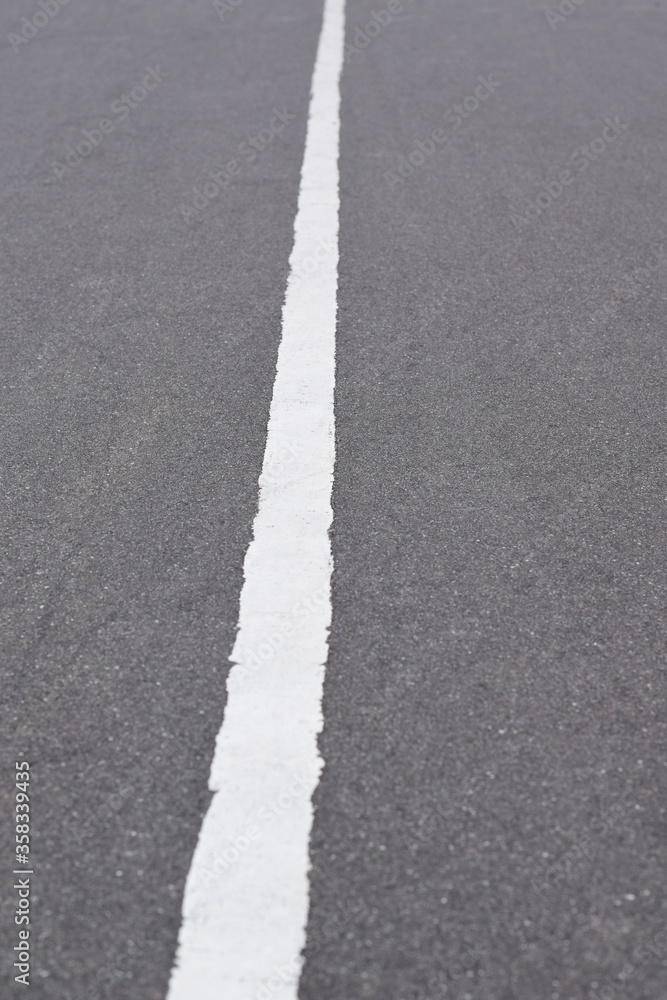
(138, 357)
(491, 823)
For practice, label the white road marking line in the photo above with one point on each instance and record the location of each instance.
(244, 923)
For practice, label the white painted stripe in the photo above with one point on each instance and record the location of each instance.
(246, 897)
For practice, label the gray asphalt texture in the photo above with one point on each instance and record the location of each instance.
(491, 821)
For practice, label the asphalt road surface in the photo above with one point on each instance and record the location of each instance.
(491, 820)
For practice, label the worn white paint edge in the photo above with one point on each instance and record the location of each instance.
(246, 898)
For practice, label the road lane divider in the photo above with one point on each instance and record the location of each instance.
(242, 935)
